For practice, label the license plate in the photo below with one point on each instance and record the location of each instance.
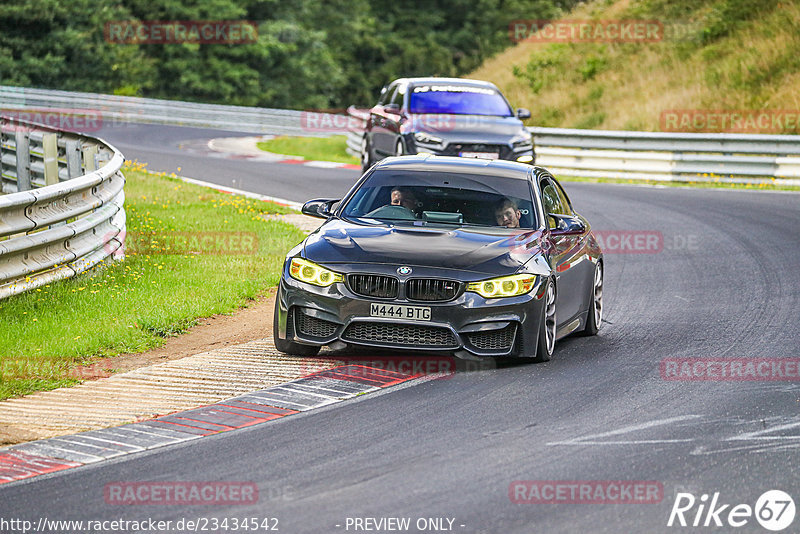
(394, 311)
(480, 155)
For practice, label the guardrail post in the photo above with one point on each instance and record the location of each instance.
(89, 161)
(23, 161)
(73, 150)
(50, 157)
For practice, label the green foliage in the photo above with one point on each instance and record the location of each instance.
(592, 66)
(592, 120)
(545, 66)
(308, 54)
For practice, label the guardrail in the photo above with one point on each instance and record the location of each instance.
(63, 209)
(127, 109)
(654, 155)
(567, 152)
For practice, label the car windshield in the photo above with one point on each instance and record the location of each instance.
(404, 197)
(458, 100)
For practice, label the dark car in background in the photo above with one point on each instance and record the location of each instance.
(441, 254)
(447, 117)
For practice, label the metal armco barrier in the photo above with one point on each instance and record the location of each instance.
(668, 156)
(654, 155)
(111, 109)
(63, 208)
(567, 152)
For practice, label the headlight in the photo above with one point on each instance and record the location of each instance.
(504, 286)
(428, 139)
(311, 273)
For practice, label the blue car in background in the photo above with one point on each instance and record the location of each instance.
(446, 117)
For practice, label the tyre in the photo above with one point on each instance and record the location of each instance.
(366, 156)
(286, 346)
(547, 326)
(595, 314)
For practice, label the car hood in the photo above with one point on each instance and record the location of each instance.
(481, 250)
(470, 128)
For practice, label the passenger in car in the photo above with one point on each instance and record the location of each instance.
(507, 213)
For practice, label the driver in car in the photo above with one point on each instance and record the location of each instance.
(403, 196)
(507, 213)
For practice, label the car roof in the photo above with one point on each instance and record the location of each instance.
(432, 163)
(452, 81)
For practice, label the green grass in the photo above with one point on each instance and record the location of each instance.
(167, 281)
(734, 55)
(311, 148)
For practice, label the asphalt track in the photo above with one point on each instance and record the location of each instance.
(165, 148)
(724, 284)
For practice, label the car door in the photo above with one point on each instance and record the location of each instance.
(567, 254)
(376, 127)
(395, 115)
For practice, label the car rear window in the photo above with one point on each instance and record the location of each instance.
(458, 100)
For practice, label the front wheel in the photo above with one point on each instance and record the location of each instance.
(286, 346)
(366, 157)
(547, 326)
(595, 314)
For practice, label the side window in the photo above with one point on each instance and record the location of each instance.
(564, 199)
(550, 200)
(397, 98)
(393, 98)
(385, 95)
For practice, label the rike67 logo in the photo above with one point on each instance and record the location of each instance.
(774, 510)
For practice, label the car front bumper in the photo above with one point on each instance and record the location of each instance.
(482, 327)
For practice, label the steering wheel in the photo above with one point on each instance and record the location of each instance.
(392, 212)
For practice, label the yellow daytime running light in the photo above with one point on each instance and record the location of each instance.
(525, 159)
(505, 286)
(311, 273)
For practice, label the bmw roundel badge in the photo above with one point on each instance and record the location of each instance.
(404, 270)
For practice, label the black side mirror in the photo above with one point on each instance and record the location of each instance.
(320, 207)
(565, 224)
(523, 113)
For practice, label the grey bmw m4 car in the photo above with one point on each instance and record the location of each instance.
(470, 257)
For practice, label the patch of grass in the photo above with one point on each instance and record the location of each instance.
(735, 55)
(592, 120)
(311, 148)
(192, 252)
